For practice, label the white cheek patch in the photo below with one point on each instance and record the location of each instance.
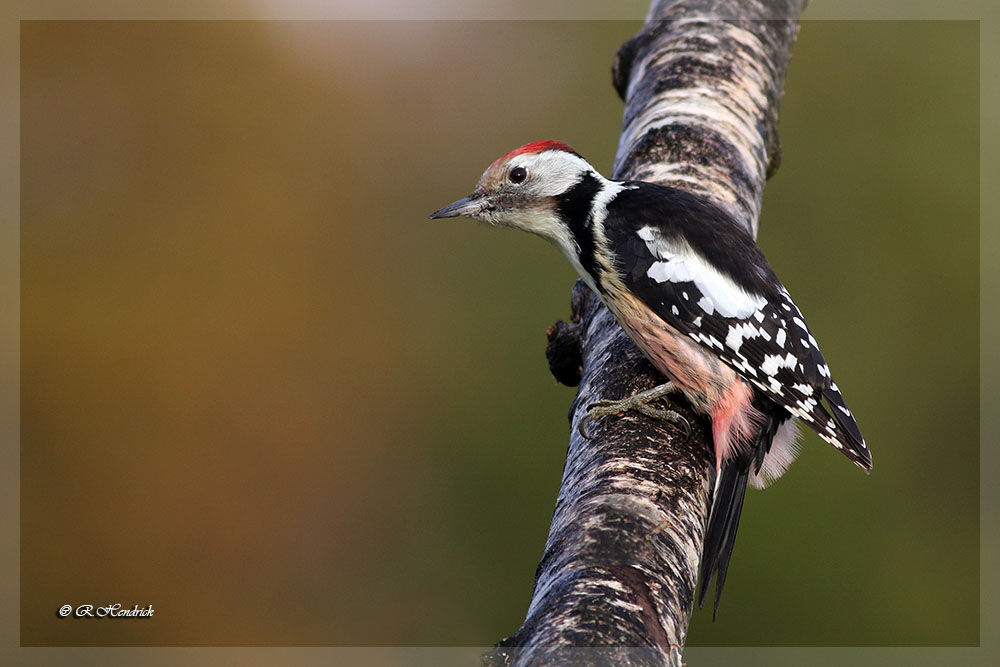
(561, 171)
(679, 264)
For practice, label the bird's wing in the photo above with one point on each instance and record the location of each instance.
(750, 322)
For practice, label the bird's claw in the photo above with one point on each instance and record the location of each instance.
(639, 402)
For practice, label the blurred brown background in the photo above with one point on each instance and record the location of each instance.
(258, 383)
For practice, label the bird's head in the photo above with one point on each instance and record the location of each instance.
(526, 189)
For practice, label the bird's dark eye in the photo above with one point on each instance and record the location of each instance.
(517, 175)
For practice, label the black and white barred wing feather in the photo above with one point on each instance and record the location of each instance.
(733, 306)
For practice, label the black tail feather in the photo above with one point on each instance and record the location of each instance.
(721, 535)
(727, 505)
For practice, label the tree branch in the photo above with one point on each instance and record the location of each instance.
(701, 83)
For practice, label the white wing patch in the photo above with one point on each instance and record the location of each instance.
(739, 331)
(679, 263)
(772, 362)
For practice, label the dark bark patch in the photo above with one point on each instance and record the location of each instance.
(564, 353)
(693, 145)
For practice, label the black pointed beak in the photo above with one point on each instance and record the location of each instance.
(464, 206)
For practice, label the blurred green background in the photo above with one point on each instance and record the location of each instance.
(258, 383)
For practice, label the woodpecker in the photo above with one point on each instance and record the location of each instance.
(693, 291)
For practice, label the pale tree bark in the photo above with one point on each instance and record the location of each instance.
(701, 83)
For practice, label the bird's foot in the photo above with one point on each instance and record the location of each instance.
(641, 403)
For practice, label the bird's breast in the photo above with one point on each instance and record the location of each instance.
(702, 377)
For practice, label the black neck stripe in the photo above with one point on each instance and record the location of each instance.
(575, 207)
